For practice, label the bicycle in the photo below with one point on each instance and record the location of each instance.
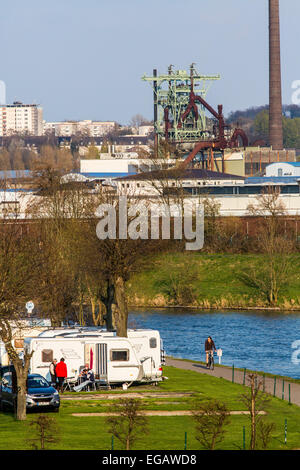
(211, 361)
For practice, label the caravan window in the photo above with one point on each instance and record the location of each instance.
(47, 355)
(152, 343)
(119, 355)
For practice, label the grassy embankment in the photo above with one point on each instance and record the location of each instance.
(165, 432)
(206, 281)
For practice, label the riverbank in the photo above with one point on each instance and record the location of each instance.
(208, 281)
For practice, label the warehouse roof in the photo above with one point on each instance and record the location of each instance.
(179, 173)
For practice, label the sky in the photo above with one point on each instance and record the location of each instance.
(85, 59)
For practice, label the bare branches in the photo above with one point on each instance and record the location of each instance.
(210, 419)
(45, 431)
(271, 277)
(256, 403)
(129, 424)
(19, 281)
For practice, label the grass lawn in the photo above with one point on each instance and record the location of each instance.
(214, 279)
(165, 432)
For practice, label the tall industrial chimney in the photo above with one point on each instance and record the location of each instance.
(275, 102)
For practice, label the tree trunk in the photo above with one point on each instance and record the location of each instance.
(101, 310)
(21, 391)
(20, 373)
(122, 309)
(93, 307)
(108, 301)
(43, 438)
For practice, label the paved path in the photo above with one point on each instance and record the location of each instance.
(226, 373)
(161, 413)
(117, 396)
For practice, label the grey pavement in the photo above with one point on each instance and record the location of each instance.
(283, 388)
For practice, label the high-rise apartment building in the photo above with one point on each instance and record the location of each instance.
(19, 118)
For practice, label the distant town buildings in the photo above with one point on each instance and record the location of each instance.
(87, 127)
(27, 120)
(19, 118)
(145, 130)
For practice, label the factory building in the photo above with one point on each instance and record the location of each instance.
(283, 169)
(122, 164)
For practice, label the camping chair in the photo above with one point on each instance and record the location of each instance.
(69, 383)
(83, 386)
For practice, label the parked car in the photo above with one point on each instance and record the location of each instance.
(40, 394)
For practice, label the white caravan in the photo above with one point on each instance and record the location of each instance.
(24, 328)
(114, 359)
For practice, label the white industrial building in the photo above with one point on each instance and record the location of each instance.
(19, 118)
(233, 194)
(192, 181)
(283, 169)
(121, 164)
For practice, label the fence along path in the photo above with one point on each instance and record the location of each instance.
(284, 389)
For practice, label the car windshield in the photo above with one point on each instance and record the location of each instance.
(37, 382)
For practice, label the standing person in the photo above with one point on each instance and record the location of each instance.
(61, 374)
(52, 371)
(209, 346)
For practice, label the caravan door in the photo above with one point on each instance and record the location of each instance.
(100, 368)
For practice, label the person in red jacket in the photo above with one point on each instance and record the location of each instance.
(61, 374)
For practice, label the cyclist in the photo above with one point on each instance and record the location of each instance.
(209, 346)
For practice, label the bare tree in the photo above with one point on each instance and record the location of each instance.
(271, 276)
(60, 211)
(129, 425)
(19, 275)
(256, 402)
(178, 287)
(265, 432)
(138, 120)
(45, 431)
(210, 420)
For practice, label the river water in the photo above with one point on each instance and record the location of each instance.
(256, 340)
